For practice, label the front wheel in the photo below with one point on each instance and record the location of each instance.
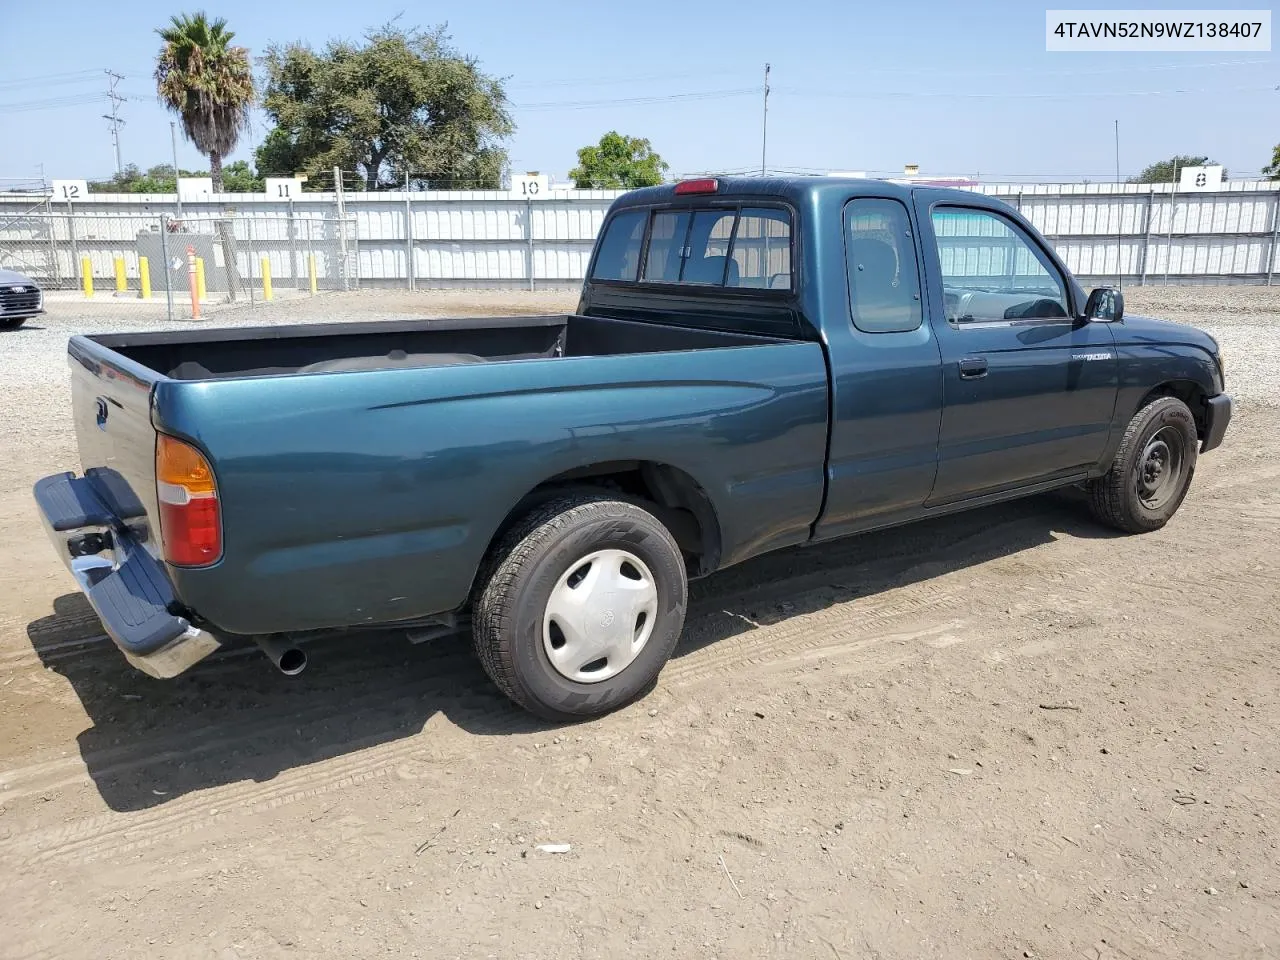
(1152, 470)
(583, 607)
(12, 323)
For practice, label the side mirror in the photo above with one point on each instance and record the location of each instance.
(1106, 304)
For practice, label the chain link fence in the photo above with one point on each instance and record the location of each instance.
(174, 266)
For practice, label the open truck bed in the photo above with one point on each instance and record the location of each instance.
(361, 346)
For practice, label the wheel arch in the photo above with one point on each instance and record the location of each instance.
(673, 495)
(1190, 392)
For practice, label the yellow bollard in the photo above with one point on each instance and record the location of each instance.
(144, 277)
(121, 283)
(311, 271)
(266, 278)
(86, 275)
(200, 290)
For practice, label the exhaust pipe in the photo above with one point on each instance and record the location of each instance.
(289, 660)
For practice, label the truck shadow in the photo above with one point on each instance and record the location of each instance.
(234, 718)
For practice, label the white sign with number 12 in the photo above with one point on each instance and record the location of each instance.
(69, 191)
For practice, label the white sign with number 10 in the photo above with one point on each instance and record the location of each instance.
(532, 187)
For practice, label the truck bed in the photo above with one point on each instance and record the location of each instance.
(362, 346)
(355, 493)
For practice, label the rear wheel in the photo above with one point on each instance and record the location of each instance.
(1152, 470)
(583, 606)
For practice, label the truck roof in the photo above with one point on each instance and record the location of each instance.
(797, 190)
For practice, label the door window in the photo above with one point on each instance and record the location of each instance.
(992, 271)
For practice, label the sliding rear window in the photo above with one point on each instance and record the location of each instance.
(747, 247)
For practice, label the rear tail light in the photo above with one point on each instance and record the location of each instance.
(190, 517)
(701, 185)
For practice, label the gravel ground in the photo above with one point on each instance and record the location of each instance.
(1244, 320)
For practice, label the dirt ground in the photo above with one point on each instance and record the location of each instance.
(1008, 733)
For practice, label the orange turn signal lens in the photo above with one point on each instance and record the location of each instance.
(182, 465)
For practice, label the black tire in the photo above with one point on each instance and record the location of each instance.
(529, 562)
(1135, 495)
(13, 323)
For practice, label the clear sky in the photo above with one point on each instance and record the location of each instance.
(959, 88)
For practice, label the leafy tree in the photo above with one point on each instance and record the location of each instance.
(1272, 170)
(237, 177)
(403, 101)
(618, 163)
(208, 83)
(1166, 170)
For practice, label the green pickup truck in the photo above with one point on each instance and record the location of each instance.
(754, 364)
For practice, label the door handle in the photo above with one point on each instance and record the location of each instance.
(973, 368)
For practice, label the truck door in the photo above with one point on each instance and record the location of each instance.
(1028, 391)
(886, 381)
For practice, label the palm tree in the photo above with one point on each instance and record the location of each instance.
(207, 82)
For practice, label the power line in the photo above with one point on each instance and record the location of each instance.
(50, 79)
(626, 101)
(599, 81)
(950, 95)
(50, 103)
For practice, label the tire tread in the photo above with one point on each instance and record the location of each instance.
(1108, 494)
(506, 566)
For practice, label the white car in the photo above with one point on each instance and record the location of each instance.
(20, 299)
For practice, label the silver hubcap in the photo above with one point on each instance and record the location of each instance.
(599, 616)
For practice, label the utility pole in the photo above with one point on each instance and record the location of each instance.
(1119, 218)
(173, 137)
(764, 127)
(114, 116)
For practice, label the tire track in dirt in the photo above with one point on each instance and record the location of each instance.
(113, 834)
(872, 618)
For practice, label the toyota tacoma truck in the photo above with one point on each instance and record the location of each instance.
(753, 364)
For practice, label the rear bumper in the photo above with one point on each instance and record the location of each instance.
(127, 587)
(1217, 417)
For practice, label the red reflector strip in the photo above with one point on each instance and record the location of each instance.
(701, 185)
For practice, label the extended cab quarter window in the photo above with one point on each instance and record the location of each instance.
(884, 275)
(992, 271)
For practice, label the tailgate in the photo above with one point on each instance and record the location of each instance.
(111, 405)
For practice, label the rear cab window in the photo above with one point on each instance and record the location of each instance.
(734, 247)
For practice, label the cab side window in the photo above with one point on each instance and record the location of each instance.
(991, 271)
(884, 273)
